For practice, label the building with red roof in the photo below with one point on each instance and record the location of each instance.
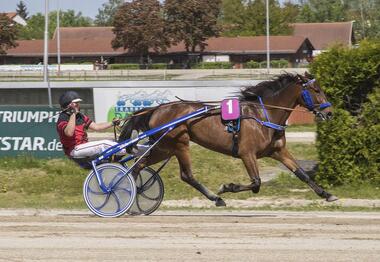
(324, 35)
(87, 44)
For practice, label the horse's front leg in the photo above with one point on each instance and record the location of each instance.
(155, 156)
(250, 163)
(183, 157)
(288, 160)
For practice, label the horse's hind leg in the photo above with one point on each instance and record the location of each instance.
(287, 159)
(183, 157)
(250, 163)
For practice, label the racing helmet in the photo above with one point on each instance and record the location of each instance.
(68, 97)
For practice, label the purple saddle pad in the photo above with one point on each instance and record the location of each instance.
(230, 109)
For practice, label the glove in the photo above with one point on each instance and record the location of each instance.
(116, 121)
(70, 110)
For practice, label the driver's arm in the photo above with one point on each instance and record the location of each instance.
(70, 128)
(99, 126)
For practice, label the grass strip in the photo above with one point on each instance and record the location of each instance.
(27, 182)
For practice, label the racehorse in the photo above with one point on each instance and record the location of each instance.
(277, 97)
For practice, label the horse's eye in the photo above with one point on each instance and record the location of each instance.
(315, 88)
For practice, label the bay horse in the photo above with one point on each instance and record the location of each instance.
(254, 140)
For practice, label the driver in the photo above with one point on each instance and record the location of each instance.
(72, 129)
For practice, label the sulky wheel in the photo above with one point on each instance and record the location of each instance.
(150, 192)
(116, 197)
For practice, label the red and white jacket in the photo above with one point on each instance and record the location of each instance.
(82, 123)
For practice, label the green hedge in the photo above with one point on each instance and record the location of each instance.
(349, 144)
(137, 66)
(252, 64)
(281, 63)
(157, 66)
(213, 65)
(123, 66)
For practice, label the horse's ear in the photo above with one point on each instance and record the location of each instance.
(301, 78)
(308, 75)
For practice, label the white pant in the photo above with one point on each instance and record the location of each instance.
(93, 148)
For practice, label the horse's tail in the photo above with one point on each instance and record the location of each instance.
(139, 121)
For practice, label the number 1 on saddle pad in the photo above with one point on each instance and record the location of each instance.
(230, 109)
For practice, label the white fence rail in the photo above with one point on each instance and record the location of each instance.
(39, 68)
(150, 74)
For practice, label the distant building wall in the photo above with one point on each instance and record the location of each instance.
(297, 118)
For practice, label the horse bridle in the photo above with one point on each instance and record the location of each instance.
(308, 99)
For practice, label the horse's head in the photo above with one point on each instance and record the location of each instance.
(313, 98)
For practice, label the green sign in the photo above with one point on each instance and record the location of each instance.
(29, 131)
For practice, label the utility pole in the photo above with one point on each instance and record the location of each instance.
(268, 45)
(58, 40)
(46, 51)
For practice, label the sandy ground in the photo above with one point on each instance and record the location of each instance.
(38, 235)
(272, 202)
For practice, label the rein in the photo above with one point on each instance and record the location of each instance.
(305, 95)
(261, 105)
(248, 102)
(266, 122)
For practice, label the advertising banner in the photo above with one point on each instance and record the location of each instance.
(29, 131)
(120, 102)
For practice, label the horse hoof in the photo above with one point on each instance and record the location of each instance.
(221, 190)
(331, 198)
(220, 202)
(255, 189)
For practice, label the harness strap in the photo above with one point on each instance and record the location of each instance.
(263, 107)
(324, 105)
(308, 99)
(235, 144)
(267, 123)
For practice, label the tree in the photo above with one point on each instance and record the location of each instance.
(8, 33)
(248, 18)
(255, 18)
(192, 21)
(366, 15)
(34, 29)
(232, 17)
(139, 27)
(36, 24)
(290, 12)
(21, 10)
(107, 12)
(70, 19)
(323, 11)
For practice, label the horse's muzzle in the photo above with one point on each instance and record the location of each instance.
(324, 115)
(329, 115)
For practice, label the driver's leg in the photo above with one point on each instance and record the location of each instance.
(93, 148)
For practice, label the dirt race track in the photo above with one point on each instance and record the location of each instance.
(32, 235)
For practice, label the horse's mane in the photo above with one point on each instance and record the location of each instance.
(268, 88)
